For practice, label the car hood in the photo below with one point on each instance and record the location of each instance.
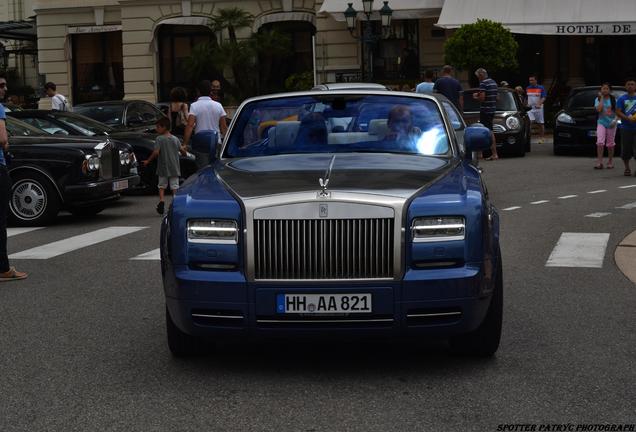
(135, 139)
(583, 114)
(380, 174)
(473, 117)
(82, 143)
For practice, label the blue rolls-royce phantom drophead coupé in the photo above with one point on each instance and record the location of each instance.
(336, 213)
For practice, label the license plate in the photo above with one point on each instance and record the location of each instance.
(120, 185)
(591, 133)
(323, 303)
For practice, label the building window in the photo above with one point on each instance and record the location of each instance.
(396, 57)
(98, 70)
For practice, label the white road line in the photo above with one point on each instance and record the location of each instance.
(70, 244)
(628, 206)
(17, 231)
(153, 255)
(540, 202)
(627, 186)
(512, 208)
(567, 196)
(579, 250)
(597, 191)
(597, 215)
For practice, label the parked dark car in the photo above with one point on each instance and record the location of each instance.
(50, 173)
(511, 124)
(128, 115)
(65, 123)
(575, 126)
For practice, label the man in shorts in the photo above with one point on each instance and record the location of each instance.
(487, 95)
(536, 95)
(626, 111)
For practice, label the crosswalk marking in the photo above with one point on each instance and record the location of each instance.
(567, 197)
(153, 255)
(579, 250)
(17, 231)
(70, 244)
(597, 191)
(540, 202)
(628, 206)
(511, 208)
(597, 215)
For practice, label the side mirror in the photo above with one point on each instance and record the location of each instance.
(477, 138)
(205, 142)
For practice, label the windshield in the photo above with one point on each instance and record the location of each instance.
(585, 98)
(505, 101)
(85, 125)
(108, 114)
(20, 128)
(339, 123)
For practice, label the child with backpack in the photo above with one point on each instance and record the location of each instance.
(605, 105)
(167, 149)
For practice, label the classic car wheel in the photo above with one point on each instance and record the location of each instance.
(484, 341)
(33, 201)
(180, 343)
(86, 211)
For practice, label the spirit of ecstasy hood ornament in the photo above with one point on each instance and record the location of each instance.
(324, 182)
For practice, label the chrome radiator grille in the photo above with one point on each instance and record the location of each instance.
(106, 162)
(323, 249)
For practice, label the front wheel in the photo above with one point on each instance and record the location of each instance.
(484, 341)
(33, 200)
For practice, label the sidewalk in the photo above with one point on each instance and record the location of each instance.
(625, 256)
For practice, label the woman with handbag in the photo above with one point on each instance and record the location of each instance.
(178, 111)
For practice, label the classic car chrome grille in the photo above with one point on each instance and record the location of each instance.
(323, 249)
(106, 161)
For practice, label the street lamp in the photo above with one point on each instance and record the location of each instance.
(368, 37)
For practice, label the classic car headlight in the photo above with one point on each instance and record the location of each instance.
(124, 158)
(442, 228)
(565, 118)
(91, 163)
(513, 123)
(212, 231)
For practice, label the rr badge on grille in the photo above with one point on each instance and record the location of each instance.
(323, 210)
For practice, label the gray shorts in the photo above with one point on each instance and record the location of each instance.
(164, 181)
(628, 144)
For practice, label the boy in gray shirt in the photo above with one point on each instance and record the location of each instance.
(167, 149)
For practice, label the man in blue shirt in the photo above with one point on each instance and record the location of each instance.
(626, 110)
(7, 272)
(427, 85)
(487, 95)
(450, 87)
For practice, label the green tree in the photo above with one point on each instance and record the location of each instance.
(486, 44)
(231, 19)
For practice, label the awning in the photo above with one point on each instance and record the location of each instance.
(547, 17)
(283, 17)
(402, 9)
(18, 30)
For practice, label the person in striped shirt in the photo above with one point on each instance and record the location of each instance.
(487, 95)
(535, 94)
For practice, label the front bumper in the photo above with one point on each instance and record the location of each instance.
(433, 302)
(95, 192)
(510, 140)
(582, 137)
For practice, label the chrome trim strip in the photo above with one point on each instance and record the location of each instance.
(434, 315)
(324, 280)
(325, 321)
(437, 239)
(236, 317)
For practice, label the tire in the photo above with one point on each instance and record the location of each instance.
(558, 151)
(484, 341)
(88, 211)
(181, 344)
(520, 150)
(33, 200)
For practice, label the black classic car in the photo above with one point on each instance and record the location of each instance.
(575, 126)
(65, 123)
(50, 173)
(128, 115)
(511, 124)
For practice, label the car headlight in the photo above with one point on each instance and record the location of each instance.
(91, 163)
(565, 118)
(124, 158)
(212, 231)
(442, 228)
(513, 123)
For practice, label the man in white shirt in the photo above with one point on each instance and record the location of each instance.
(58, 101)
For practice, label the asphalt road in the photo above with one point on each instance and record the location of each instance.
(83, 343)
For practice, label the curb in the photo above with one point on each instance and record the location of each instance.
(625, 256)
